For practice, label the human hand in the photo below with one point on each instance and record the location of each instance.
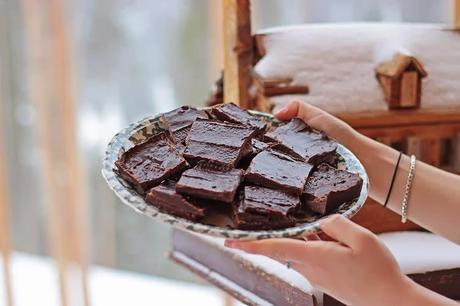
(320, 120)
(356, 269)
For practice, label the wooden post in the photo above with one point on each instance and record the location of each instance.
(431, 151)
(228, 300)
(414, 146)
(5, 244)
(238, 52)
(456, 10)
(51, 83)
(456, 153)
(5, 93)
(216, 49)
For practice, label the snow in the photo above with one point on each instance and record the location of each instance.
(35, 281)
(420, 252)
(337, 62)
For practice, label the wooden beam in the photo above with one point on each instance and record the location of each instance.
(51, 84)
(37, 35)
(5, 93)
(414, 146)
(384, 118)
(5, 244)
(228, 300)
(456, 11)
(431, 151)
(238, 52)
(456, 153)
(76, 211)
(399, 133)
(216, 43)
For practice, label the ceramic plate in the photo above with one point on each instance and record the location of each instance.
(143, 129)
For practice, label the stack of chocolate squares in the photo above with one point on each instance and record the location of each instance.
(228, 160)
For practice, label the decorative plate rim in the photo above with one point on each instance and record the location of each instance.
(128, 195)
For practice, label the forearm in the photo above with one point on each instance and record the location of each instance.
(414, 295)
(435, 194)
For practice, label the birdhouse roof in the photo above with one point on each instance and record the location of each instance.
(400, 62)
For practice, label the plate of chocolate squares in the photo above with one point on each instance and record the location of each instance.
(228, 172)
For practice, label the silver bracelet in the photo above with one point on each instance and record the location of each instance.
(405, 202)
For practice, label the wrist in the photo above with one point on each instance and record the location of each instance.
(415, 294)
(396, 292)
(408, 294)
(359, 144)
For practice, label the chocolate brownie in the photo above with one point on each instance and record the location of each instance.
(179, 121)
(257, 146)
(220, 142)
(277, 170)
(147, 164)
(165, 198)
(298, 139)
(210, 181)
(264, 208)
(327, 188)
(233, 113)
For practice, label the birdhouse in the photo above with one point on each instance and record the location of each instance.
(401, 80)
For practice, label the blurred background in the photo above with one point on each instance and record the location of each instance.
(73, 73)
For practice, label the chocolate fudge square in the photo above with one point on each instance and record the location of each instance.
(147, 164)
(210, 181)
(257, 146)
(165, 198)
(327, 188)
(298, 139)
(179, 121)
(220, 142)
(277, 170)
(264, 208)
(233, 113)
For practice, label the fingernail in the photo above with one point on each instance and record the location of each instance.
(282, 110)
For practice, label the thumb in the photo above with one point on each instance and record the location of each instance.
(300, 109)
(345, 231)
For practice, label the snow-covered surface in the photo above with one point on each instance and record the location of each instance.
(419, 252)
(35, 283)
(338, 62)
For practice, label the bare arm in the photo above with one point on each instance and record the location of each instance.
(435, 196)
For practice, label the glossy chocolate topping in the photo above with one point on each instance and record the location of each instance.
(278, 171)
(180, 120)
(299, 140)
(210, 181)
(264, 201)
(216, 141)
(232, 113)
(327, 188)
(151, 162)
(167, 199)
